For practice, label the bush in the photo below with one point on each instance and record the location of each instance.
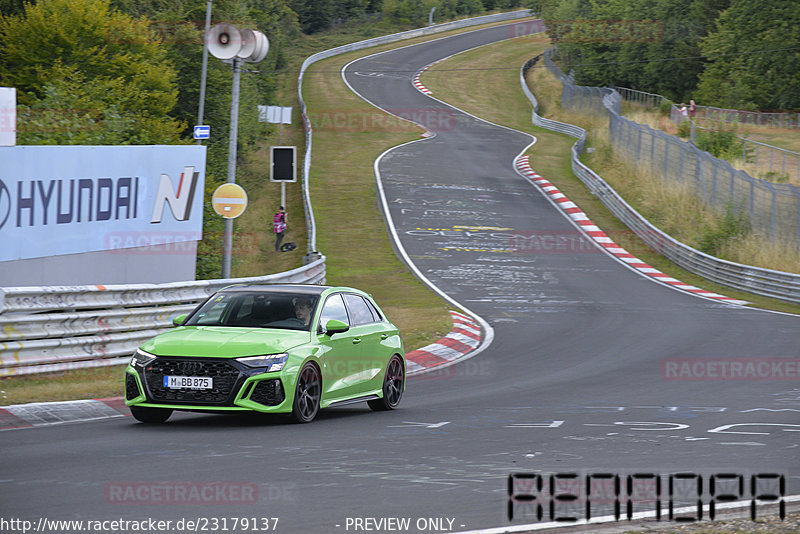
(720, 142)
(733, 225)
(665, 107)
(774, 176)
(685, 129)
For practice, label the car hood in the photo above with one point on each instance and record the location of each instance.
(224, 341)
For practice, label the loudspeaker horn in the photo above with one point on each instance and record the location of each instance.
(224, 41)
(248, 44)
(260, 50)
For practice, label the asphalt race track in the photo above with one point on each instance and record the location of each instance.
(584, 374)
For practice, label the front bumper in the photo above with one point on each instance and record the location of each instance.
(236, 387)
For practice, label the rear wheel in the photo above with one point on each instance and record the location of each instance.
(146, 414)
(307, 394)
(392, 386)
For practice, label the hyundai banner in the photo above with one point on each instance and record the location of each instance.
(73, 199)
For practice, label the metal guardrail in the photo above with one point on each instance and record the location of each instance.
(368, 43)
(45, 329)
(757, 280)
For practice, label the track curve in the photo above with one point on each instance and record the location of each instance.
(572, 382)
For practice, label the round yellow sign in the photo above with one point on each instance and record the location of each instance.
(229, 200)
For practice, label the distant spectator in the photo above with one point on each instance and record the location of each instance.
(683, 111)
(692, 109)
(279, 224)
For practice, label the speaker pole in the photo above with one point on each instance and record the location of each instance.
(232, 139)
(204, 69)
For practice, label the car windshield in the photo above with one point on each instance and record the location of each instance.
(257, 310)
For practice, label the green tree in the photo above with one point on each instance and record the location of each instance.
(11, 7)
(754, 56)
(314, 15)
(69, 56)
(633, 43)
(76, 110)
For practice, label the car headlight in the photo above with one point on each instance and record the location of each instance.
(273, 362)
(141, 358)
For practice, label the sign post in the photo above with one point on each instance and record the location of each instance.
(229, 200)
(201, 132)
(227, 42)
(283, 167)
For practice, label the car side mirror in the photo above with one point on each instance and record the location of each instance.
(335, 327)
(178, 319)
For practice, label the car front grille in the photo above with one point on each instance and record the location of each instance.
(131, 387)
(268, 393)
(223, 374)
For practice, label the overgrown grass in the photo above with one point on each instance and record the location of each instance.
(723, 141)
(669, 208)
(96, 383)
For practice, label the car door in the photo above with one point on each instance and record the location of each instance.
(366, 374)
(340, 349)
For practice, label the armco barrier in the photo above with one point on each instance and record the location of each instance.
(386, 39)
(44, 329)
(776, 284)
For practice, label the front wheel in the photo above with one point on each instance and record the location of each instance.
(392, 386)
(307, 394)
(150, 415)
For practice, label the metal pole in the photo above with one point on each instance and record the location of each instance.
(232, 139)
(283, 184)
(204, 69)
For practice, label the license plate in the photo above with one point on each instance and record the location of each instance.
(188, 382)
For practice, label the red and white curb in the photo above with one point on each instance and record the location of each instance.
(600, 237)
(463, 339)
(416, 80)
(54, 413)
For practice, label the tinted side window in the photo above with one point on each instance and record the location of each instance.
(333, 309)
(375, 313)
(359, 311)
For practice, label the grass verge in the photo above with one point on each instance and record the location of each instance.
(507, 105)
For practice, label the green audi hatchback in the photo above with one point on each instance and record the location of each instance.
(290, 349)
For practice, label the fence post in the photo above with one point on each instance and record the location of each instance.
(713, 183)
(652, 151)
(772, 214)
(797, 195)
(639, 145)
(700, 181)
(771, 152)
(733, 177)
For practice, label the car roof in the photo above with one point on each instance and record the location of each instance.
(304, 289)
